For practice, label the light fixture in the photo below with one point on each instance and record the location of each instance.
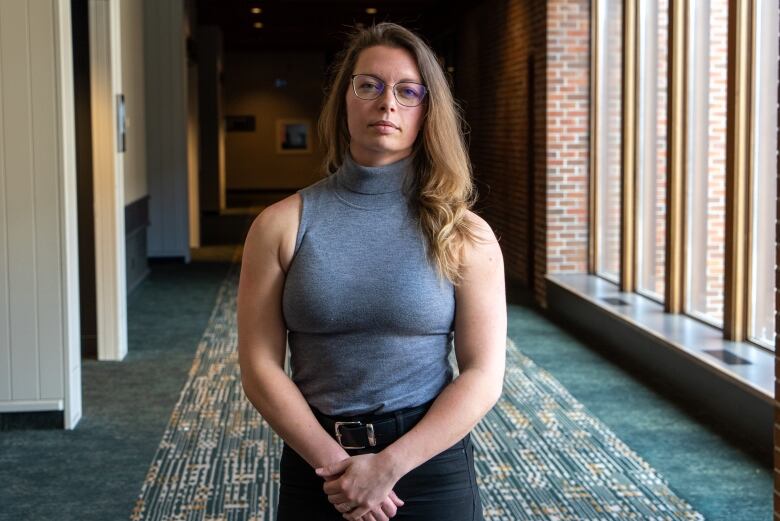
(371, 10)
(256, 10)
(258, 25)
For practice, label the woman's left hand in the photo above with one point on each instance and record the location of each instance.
(359, 484)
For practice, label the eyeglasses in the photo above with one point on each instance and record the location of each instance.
(407, 93)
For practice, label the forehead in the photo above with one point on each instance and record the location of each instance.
(388, 63)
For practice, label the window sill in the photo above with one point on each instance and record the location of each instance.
(673, 346)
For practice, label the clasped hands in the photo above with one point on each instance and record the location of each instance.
(361, 487)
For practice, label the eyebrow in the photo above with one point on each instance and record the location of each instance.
(412, 80)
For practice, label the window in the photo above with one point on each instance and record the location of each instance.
(764, 176)
(706, 168)
(609, 129)
(680, 186)
(651, 147)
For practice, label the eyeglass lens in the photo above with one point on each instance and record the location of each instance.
(407, 93)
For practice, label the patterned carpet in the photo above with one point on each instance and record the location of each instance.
(540, 455)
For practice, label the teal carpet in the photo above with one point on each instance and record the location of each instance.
(95, 472)
(704, 460)
(540, 454)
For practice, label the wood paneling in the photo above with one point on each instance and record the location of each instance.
(38, 277)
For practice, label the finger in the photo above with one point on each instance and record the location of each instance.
(338, 499)
(369, 517)
(356, 514)
(344, 507)
(379, 515)
(389, 508)
(333, 468)
(395, 499)
(332, 487)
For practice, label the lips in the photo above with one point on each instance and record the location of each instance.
(383, 123)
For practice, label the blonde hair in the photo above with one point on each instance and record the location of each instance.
(443, 190)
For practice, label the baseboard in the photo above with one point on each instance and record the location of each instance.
(39, 420)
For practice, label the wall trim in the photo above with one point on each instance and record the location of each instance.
(136, 259)
(11, 421)
(31, 405)
(69, 253)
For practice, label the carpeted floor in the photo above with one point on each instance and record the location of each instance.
(95, 472)
(703, 460)
(539, 453)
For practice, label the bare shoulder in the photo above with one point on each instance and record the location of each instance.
(275, 229)
(484, 253)
(486, 240)
(481, 228)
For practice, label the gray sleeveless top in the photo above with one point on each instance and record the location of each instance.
(370, 325)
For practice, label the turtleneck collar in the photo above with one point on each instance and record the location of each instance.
(373, 186)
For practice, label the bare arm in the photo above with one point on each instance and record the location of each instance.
(262, 336)
(480, 348)
(262, 342)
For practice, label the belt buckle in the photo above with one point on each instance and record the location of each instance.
(369, 431)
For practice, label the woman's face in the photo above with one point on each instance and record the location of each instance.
(374, 144)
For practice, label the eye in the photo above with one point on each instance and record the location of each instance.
(410, 91)
(369, 84)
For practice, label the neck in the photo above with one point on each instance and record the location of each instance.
(367, 157)
(374, 179)
(374, 186)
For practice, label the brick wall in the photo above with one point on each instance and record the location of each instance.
(568, 125)
(494, 57)
(523, 76)
(776, 494)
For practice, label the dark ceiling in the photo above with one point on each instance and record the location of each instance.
(317, 25)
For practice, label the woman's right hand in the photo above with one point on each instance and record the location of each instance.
(362, 485)
(387, 509)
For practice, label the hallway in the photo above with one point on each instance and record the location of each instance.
(128, 406)
(622, 156)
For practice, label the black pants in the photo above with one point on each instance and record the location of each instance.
(442, 489)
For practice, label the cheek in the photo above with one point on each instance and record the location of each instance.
(351, 117)
(416, 123)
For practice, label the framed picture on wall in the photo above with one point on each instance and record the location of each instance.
(293, 136)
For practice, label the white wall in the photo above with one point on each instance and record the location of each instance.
(132, 42)
(39, 309)
(166, 128)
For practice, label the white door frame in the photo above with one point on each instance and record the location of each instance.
(108, 174)
(72, 406)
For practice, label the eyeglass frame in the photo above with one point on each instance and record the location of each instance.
(392, 88)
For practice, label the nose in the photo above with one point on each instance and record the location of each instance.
(387, 100)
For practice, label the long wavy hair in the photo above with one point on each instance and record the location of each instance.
(442, 188)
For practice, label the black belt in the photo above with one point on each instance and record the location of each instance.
(359, 432)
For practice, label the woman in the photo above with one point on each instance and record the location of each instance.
(361, 273)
